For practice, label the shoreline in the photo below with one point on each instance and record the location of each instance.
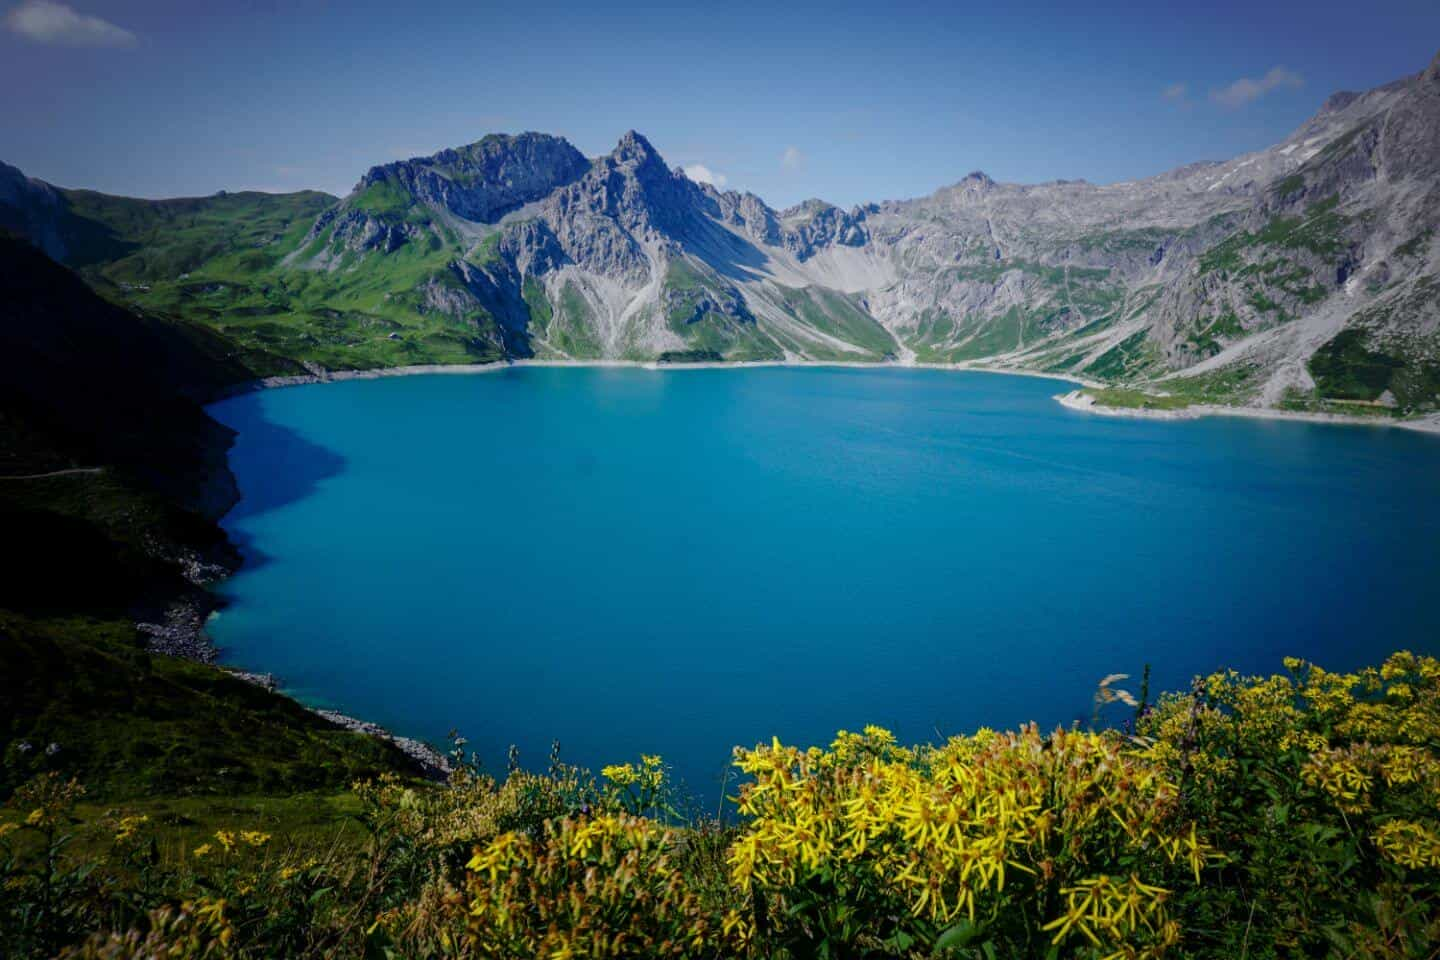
(495, 366)
(1078, 401)
(1074, 400)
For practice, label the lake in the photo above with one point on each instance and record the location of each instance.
(679, 561)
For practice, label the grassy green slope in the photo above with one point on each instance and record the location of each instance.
(1075, 300)
(128, 240)
(134, 723)
(711, 318)
(234, 263)
(85, 384)
(839, 316)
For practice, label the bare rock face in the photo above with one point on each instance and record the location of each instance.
(750, 215)
(1410, 132)
(815, 224)
(359, 232)
(32, 209)
(485, 180)
(633, 189)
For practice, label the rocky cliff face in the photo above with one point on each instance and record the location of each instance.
(1303, 274)
(31, 209)
(488, 178)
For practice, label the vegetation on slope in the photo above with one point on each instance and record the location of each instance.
(131, 241)
(1293, 815)
(111, 479)
(239, 264)
(140, 724)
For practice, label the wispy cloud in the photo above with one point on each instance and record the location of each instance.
(1247, 90)
(792, 158)
(703, 174)
(44, 21)
(1176, 92)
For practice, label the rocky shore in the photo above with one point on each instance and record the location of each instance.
(180, 632)
(435, 764)
(177, 629)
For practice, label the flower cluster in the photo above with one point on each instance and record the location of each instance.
(1317, 778)
(607, 886)
(639, 789)
(982, 827)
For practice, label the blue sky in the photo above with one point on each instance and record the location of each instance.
(849, 102)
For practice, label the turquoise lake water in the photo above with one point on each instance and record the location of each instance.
(676, 562)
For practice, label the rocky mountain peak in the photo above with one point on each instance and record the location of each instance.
(486, 179)
(807, 208)
(634, 149)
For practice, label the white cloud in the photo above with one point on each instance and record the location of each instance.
(792, 158)
(44, 21)
(1245, 90)
(1175, 93)
(703, 174)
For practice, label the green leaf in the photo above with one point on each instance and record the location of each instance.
(960, 935)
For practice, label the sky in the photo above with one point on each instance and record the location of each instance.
(850, 102)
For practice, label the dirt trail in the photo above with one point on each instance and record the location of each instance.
(72, 472)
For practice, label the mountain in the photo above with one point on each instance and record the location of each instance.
(1303, 275)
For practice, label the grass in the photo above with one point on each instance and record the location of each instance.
(839, 316)
(1125, 359)
(1069, 292)
(1345, 369)
(1135, 399)
(1230, 385)
(137, 724)
(142, 241)
(711, 317)
(538, 304)
(1415, 244)
(689, 356)
(1309, 401)
(1125, 241)
(487, 251)
(1290, 185)
(341, 318)
(1211, 338)
(383, 198)
(316, 821)
(568, 327)
(221, 262)
(1320, 231)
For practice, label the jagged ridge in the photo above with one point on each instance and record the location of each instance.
(1304, 274)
